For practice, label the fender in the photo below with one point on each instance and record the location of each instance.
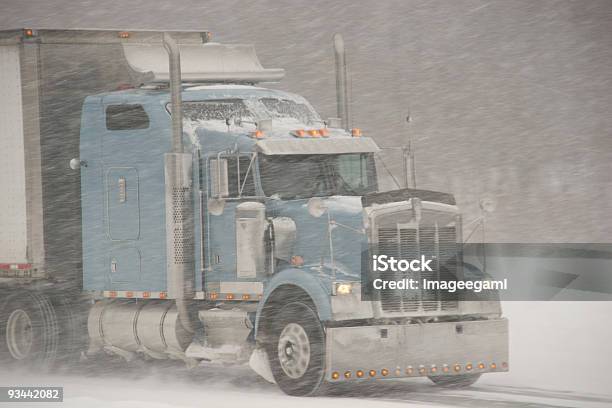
(318, 290)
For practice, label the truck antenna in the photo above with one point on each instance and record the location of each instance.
(409, 164)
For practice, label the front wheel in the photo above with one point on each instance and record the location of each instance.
(455, 381)
(297, 350)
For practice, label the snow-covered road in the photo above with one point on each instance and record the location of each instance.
(559, 357)
(175, 387)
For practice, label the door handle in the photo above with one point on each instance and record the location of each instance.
(122, 190)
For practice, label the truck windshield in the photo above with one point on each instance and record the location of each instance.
(248, 110)
(216, 110)
(287, 109)
(304, 176)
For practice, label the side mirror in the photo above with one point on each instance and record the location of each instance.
(316, 207)
(488, 205)
(218, 178)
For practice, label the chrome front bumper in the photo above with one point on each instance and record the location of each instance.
(413, 350)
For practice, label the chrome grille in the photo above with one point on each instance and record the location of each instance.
(438, 243)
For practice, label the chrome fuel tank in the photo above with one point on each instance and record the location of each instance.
(126, 327)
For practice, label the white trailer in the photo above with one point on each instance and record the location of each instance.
(20, 206)
(45, 76)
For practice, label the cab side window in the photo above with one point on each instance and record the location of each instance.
(126, 117)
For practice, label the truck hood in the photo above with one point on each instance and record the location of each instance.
(332, 243)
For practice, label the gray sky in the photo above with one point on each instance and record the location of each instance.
(510, 99)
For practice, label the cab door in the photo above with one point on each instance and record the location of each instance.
(223, 248)
(127, 127)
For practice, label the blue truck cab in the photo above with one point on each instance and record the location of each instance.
(124, 137)
(258, 251)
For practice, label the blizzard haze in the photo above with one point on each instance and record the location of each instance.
(509, 99)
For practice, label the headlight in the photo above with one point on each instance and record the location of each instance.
(342, 288)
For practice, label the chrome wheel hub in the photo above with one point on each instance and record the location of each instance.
(19, 337)
(294, 350)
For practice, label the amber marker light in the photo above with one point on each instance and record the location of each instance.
(359, 373)
(213, 295)
(335, 375)
(384, 372)
(372, 373)
(229, 296)
(355, 132)
(258, 134)
(493, 366)
(468, 366)
(347, 374)
(124, 34)
(314, 133)
(481, 366)
(28, 32)
(422, 370)
(457, 367)
(246, 297)
(409, 370)
(297, 260)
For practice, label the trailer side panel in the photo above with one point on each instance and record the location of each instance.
(13, 233)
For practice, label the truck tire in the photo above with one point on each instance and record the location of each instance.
(72, 330)
(3, 305)
(297, 350)
(455, 381)
(28, 331)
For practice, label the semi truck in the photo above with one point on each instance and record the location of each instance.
(157, 202)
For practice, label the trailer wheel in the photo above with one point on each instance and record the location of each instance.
(28, 330)
(297, 350)
(455, 381)
(3, 305)
(72, 330)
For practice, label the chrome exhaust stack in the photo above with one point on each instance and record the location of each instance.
(179, 199)
(341, 81)
(174, 61)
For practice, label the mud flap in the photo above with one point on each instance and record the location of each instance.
(261, 365)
